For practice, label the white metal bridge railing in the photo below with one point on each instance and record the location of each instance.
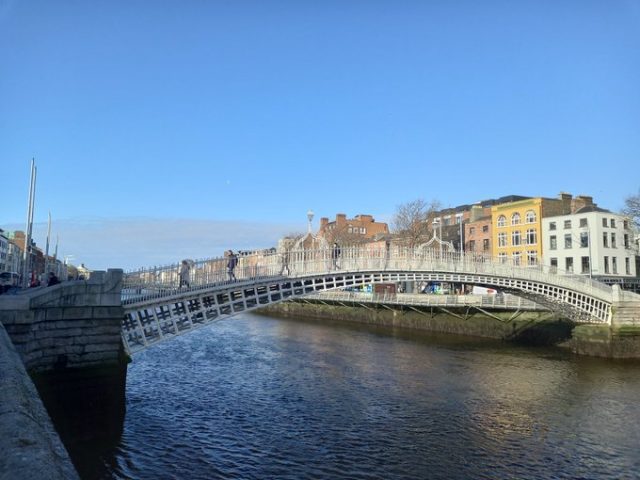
(507, 302)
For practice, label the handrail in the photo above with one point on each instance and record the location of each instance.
(506, 301)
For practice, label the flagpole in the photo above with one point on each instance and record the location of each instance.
(26, 259)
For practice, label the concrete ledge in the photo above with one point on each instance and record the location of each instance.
(29, 444)
(609, 342)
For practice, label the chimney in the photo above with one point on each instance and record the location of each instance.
(582, 201)
(566, 199)
(476, 212)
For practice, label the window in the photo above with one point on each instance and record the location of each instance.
(585, 264)
(485, 228)
(567, 224)
(502, 239)
(625, 224)
(350, 229)
(584, 239)
(532, 257)
(458, 218)
(552, 225)
(568, 264)
(613, 223)
(363, 230)
(614, 264)
(606, 264)
(472, 230)
(626, 240)
(516, 258)
(502, 257)
(567, 241)
(472, 245)
(515, 238)
(485, 245)
(447, 220)
(532, 236)
(530, 217)
(502, 221)
(613, 240)
(515, 219)
(553, 242)
(583, 222)
(627, 266)
(554, 264)
(605, 240)
(604, 222)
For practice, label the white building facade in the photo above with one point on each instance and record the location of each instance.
(593, 242)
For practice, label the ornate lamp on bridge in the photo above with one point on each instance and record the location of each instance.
(310, 218)
(438, 224)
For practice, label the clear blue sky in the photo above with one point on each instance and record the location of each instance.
(164, 129)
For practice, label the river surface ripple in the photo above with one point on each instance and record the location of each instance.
(255, 397)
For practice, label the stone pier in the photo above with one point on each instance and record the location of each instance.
(69, 339)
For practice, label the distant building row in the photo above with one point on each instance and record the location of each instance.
(570, 234)
(12, 246)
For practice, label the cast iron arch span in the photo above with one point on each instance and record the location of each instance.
(152, 320)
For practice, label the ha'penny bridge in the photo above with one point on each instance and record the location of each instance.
(158, 308)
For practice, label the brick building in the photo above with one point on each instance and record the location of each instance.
(351, 230)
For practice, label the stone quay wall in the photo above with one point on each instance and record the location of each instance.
(68, 338)
(620, 340)
(463, 320)
(29, 443)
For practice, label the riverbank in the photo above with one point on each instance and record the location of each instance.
(459, 320)
(535, 327)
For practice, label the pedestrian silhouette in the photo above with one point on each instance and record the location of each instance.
(335, 253)
(231, 265)
(184, 274)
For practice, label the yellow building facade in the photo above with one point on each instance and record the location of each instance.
(517, 228)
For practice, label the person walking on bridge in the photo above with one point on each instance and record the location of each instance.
(284, 262)
(184, 274)
(231, 265)
(335, 253)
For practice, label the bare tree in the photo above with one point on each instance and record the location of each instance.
(410, 221)
(632, 208)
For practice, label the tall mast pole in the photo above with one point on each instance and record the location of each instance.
(46, 252)
(26, 259)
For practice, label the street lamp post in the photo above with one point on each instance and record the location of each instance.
(310, 218)
(438, 223)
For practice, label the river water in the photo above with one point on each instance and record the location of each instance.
(256, 397)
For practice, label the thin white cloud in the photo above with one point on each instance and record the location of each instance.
(102, 243)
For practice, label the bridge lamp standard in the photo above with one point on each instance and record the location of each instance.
(438, 224)
(310, 218)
